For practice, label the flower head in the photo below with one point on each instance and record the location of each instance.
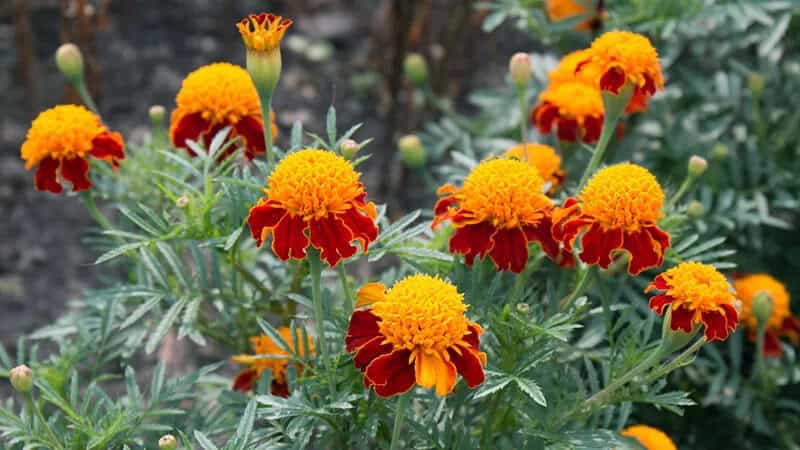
(263, 345)
(558, 10)
(698, 294)
(573, 109)
(618, 57)
(781, 322)
(619, 209)
(318, 192)
(544, 158)
(263, 32)
(59, 142)
(499, 210)
(567, 69)
(414, 333)
(214, 97)
(650, 438)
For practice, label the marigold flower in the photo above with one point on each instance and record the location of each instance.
(263, 32)
(567, 69)
(59, 142)
(499, 210)
(781, 322)
(558, 10)
(699, 294)
(414, 333)
(544, 158)
(316, 191)
(618, 210)
(573, 109)
(650, 438)
(263, 345)
(618, 57)
(214, 97)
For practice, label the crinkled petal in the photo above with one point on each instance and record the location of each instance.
(332, 238)
(510, 249)
(645, 252)
(369, 351)
(189, 127)
(370, 293)
(46, 178)
(251, 130)
(76, 171)
(263, 218)
(472, 240)
(716, 325)
(431, 370)
(598, 244)
(245, 380)
(390, 374)
(361, 226)
(362, 329)
(108, 146)
(289, 239)
(613, 79)
(469, 365)
(659, 302)
(682, 319)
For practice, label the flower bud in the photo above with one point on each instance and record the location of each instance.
(167, 442)
(520, 68)
(21, 379)
(182, 201)
(157, 113)
(349, 148)
(411, 151)
(756, 83)
(695, 210)
(523, 308)
(672, 340)
(69, 61)
(697, 166)
(720, 152)
(762, 307)
(416, 69)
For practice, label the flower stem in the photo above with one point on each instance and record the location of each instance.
(399, 416)
(523, 122)
(315, 266)
(606, 392)
(486, 434)
(86, 97)
(348, 293)
(33, 408)
(761, 332)
(91, 206)
(687, 183)
(266, 107)
(584, 282)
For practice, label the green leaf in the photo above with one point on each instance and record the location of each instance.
(204, 441)
(532, 390)
(164, 326)
(331, 126)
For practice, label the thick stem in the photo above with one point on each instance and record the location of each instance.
(266, 108)
(399, 417)
(315, 266)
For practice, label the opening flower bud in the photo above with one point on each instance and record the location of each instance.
(416, 69)
(157, 113)
(523, 308)
(695, 210)
(182, 201)
(673, 340)
(762, 307)
(520, 68)
(167, 442)
(69, 61)
(411, 151)
(349, 148)
(697, 166)
(720, 152)
(756, 83)
(21, 379)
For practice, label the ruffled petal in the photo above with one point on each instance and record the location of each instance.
(264, 217)
(431, 370)
(659, 302)
(362, 329)
(469, 365)
(613, 79)
(245, 380)
(390, 374)
(541, 233)
(361, 226)
(544, 117)
(567, 129)
(370, 293)
(659, 283)
(76, 171)
(597, 245)
(108, 146)
(289, 239)
(278, 389)
(682, 319)
(472, 240)
(251, 130)
(332, 238)
(716, 325)
(645, 252)
(369, 351)
(46, 178)
(772, 345)
(509, 250)
(592, 127)
(188, 127)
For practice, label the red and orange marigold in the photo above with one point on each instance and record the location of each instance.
(61, 139)
(618, 210)
(263, 345)
(650, 438)
(781, 322)
(263, 32)
(414, 333)
(498, 211)
(571, 109)
(314, 197)
(214, 97)
(697, 295)
(544, 158)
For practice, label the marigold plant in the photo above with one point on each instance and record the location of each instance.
(264, 346)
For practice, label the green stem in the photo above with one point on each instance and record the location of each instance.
(584, 282)
(523, 121)
(251, 279)
(519, 282)
(348, 293)
(486, 434)
(91, 206)
(266, 107)
(315, 266)
(33, 408)
(687, 183)
(603, 395)
(86, 97)
(761, 332)
(399, 416)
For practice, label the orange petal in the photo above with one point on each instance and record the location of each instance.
(370, 293)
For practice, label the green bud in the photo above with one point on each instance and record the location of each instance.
(697, 166)
(672, 340)
(520, 68)
(349, 148)
(157, 113)
(762, 307)
(167, 442)
(264, 69)
(416, 69)
(21, 378)
(411, 151)
(69, 61)
(182, 201)
(756, 83)
(523, 308)
(720, 152)
(695, 210)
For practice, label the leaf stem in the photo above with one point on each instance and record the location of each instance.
(315, 266)
(399, 416)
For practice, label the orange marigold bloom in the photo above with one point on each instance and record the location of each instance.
(499, 210)
(263, 32)
(544, 158)
(318, 192)
(573, 109)
(781, 322)
(699, 294)
(618, 210)
(650, 438)
(263, 345)
(59, 142)
(558, 10)
(414, 333)
(567, 69)
(214, 97)
(620, 56)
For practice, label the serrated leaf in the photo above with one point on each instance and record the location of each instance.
(164, 326)
(532, 390)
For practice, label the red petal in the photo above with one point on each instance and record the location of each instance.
(108, 146)
(251, 129)
(289, 238)
(264, 215)
(731, 317)
(716, 328)
(510, 249)
(567, 129)
(543, 116)
(772, 346)
(682, 319)
(473, 337)
(542, 234)
(597, 245)
(46, 176)
(369, 351)
(332, 238)
(361, 226)
(468, 365)
(592, 127)
(76, 171)
(362, 329)
(391, 374)
(472, 240)
(659, 302)
(278, 389)
(645, 251)
(245, 380)
(659, 283)
(191, 126)
(613, 80)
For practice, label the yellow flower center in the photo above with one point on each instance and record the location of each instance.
(263, 32)
(506, 192)
(699, 286)
(62, 132)
(749, 286)
(574, 99)
(624, 196)
(630, 51)
(650, 438)
(222, 92)
(422, 312)
(543, 157)
(314, 183)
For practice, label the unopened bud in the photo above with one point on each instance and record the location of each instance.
(349, 148)
(520, 68)
(156, 113)
(182, 201)
(21, 379)
(756, 83)
(672, 340)
(523, 308)
(695, 210)
(762, 307)
(416, 69)
(167, 442)
(720, 152)
(411, 151)
(697, 166)
(69, 61)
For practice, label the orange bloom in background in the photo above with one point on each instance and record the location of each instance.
(618, 57)
(499, 211)
(263, 345)
(698, 294)
(314, 197)
(214, 97)
(567, 69)
(414, 333)
(263, 32)
(544, 158)
(558, 10)
(650, 438)
(573, 110)
(618, 210)
(781, 322)
(61, 139)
